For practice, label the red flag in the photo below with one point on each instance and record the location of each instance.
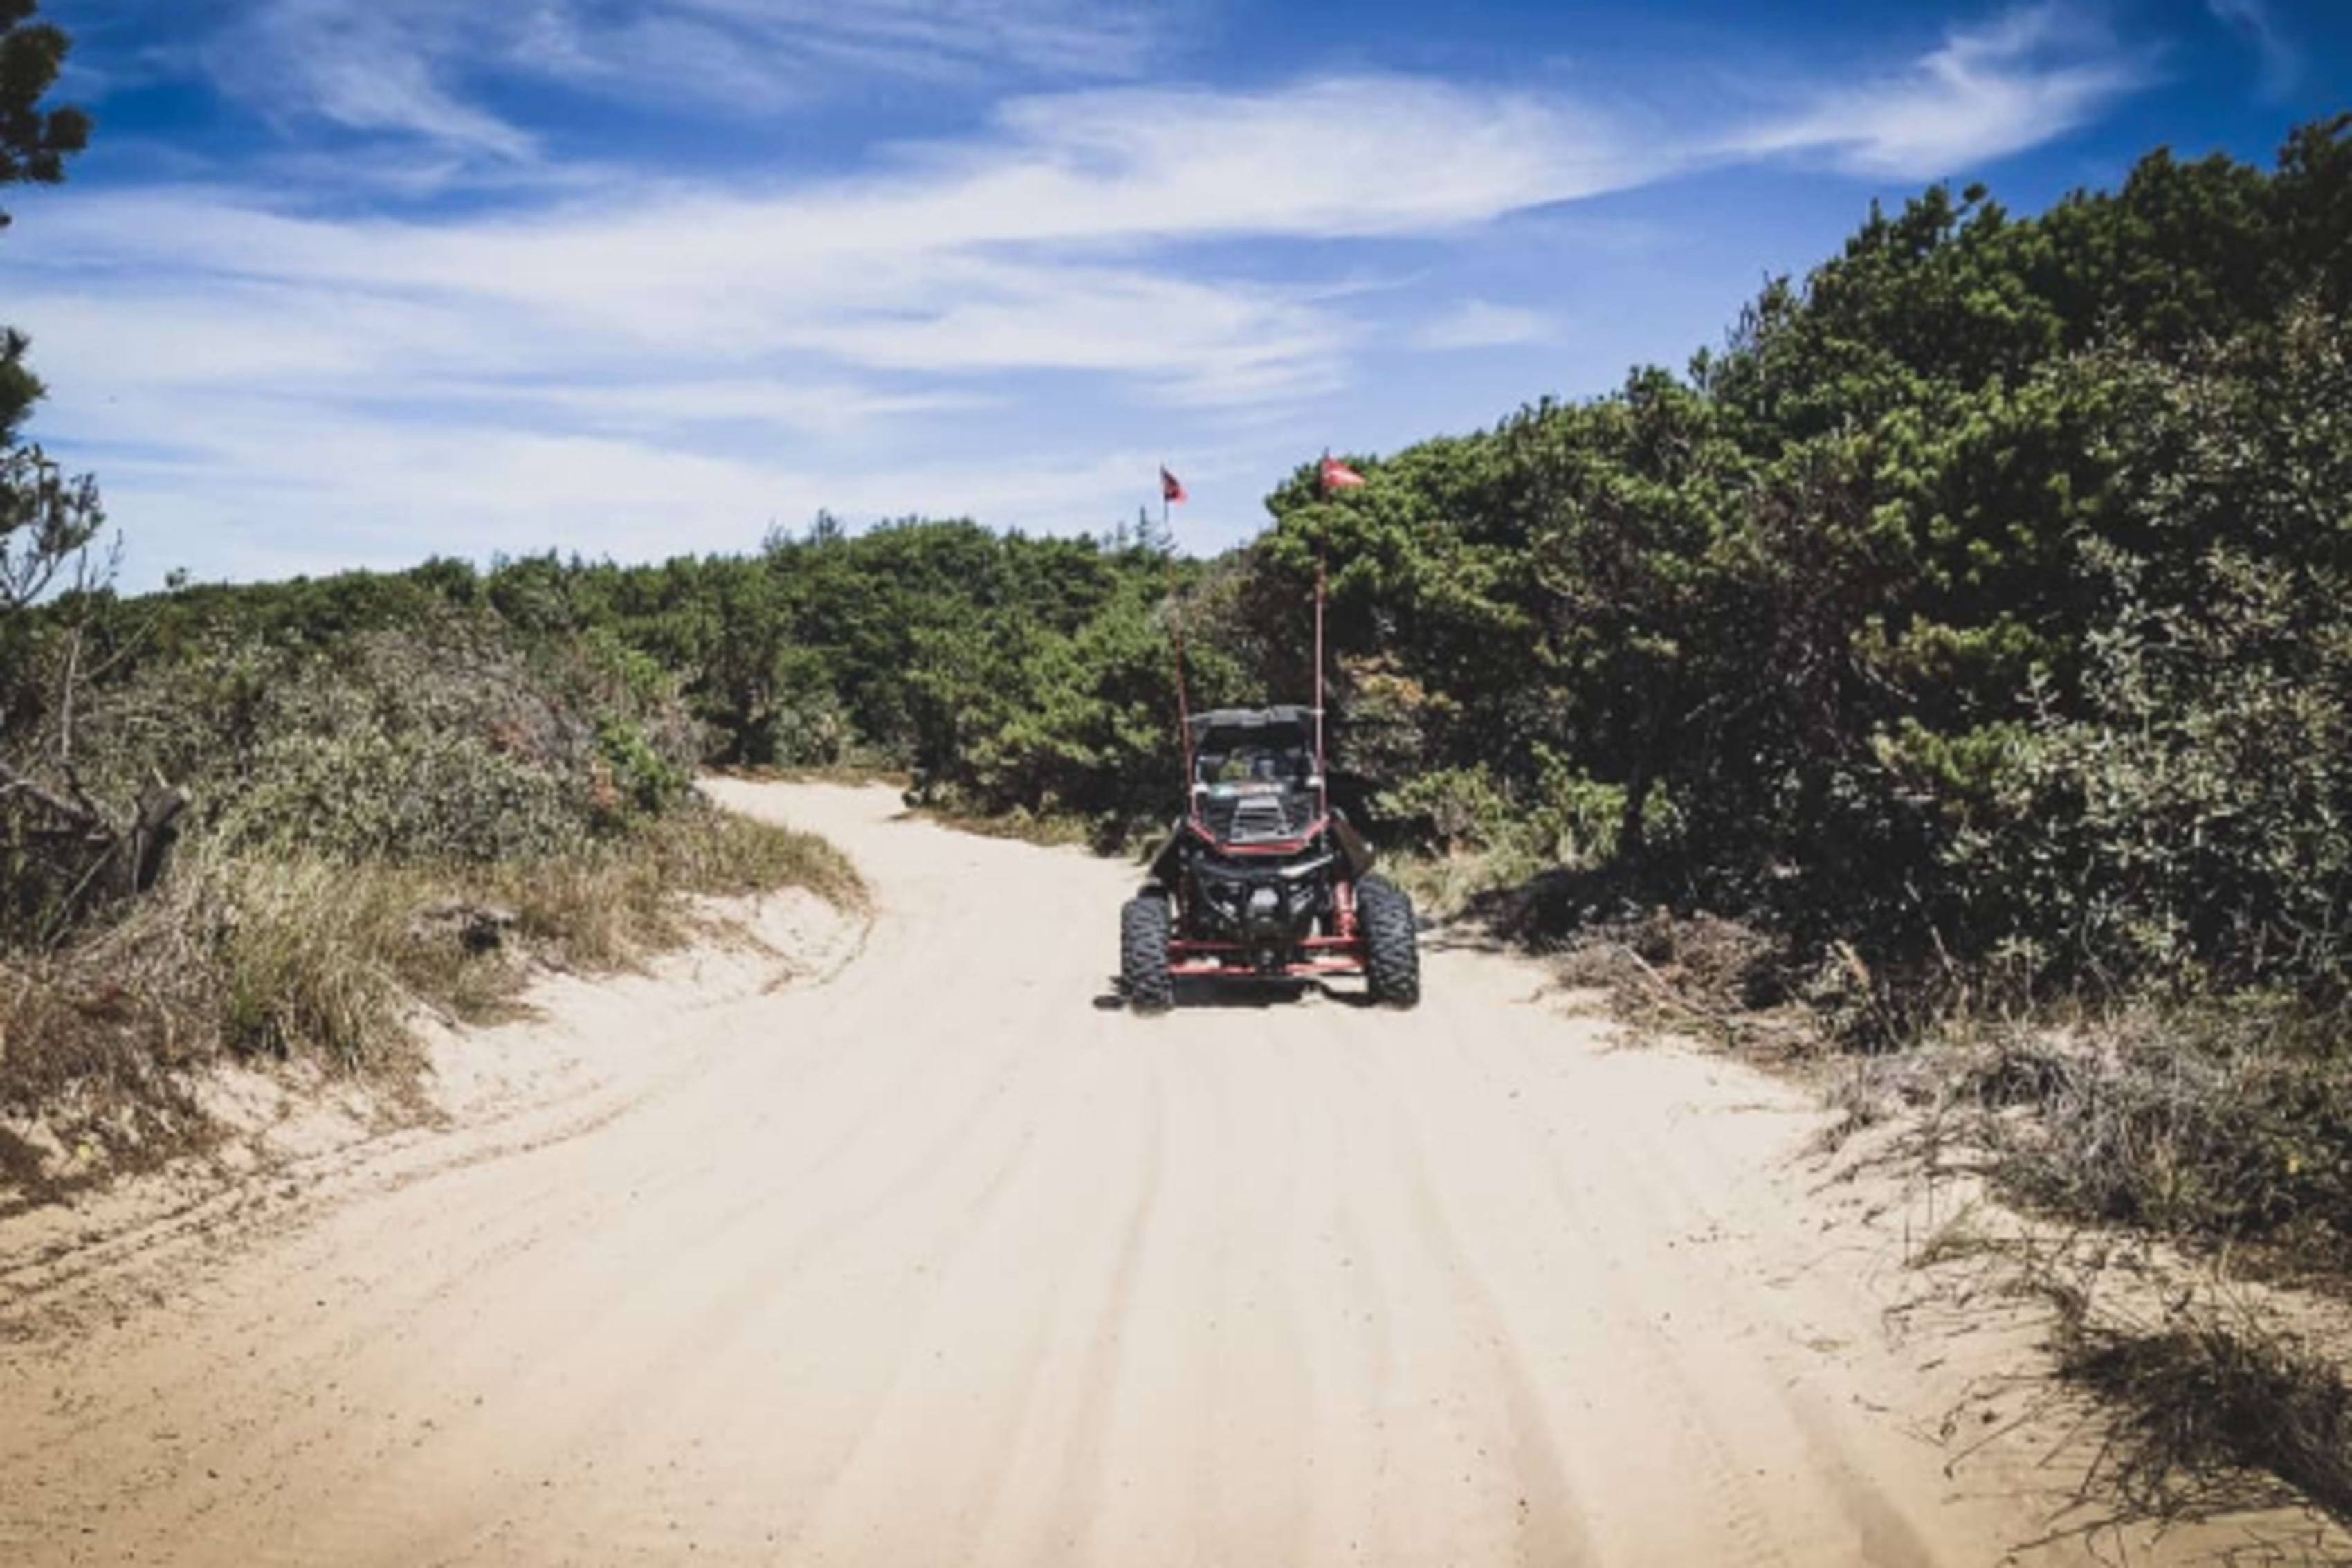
(1337, 475)
(1170, 487)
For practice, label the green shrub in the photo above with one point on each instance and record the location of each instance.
(648, 782)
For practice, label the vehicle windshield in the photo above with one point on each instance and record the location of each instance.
(1253, 765)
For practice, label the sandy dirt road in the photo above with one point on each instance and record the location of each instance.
(944, 1261)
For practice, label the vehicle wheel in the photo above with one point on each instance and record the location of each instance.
(1143, 954)
(1392, 947)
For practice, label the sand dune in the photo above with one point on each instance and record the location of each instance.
(944, 1261)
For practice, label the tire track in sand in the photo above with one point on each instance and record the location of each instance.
(942, 1264)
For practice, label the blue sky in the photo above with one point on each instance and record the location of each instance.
(351, 282)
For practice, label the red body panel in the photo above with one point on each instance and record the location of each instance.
(1230, 959)
(1242, 971)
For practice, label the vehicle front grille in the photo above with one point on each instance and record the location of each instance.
(1259, 816)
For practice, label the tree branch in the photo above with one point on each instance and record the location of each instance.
(79, 814)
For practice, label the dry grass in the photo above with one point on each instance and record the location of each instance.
(2232, 1127)
(608, 905)
(287, 955)
(2221, 1123)
(2209, 1407)
(2214, 1130)
(2218, 1134)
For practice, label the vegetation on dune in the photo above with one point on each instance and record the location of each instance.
(415, 808)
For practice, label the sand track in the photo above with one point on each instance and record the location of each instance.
(944, 1261)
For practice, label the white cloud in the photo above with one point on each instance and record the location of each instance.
(263, 487)
(2028, 76)
(619, 362)
(1034, 250)
(1483, 325)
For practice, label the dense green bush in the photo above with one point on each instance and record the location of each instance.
(1978, 603)
(437, 735)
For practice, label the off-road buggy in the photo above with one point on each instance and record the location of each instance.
(1262, 878)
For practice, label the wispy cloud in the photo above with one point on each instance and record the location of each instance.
(1032, 248)
(2026, 77)
(424, 69)
(629, 361)
(1483, 325)
(792, 45)
(2281, 60)
(359, 67)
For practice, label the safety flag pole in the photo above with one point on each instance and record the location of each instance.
(1173, 490)
(1330, 475)
(1322, 764)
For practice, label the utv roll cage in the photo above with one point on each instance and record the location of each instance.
(1261, 877)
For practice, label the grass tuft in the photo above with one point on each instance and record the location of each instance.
(2209, 1407)
(290, 956)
